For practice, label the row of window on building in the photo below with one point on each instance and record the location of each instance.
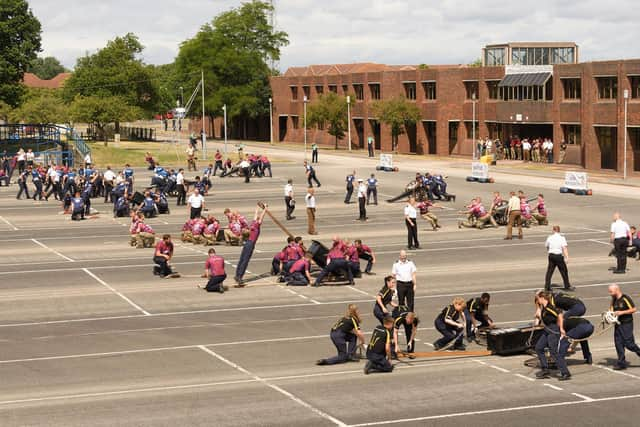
(572, 87)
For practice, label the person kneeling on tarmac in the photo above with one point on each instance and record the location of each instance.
(145, 236)
(402, 316)
(344, 334)
(477, 315)
(299, 274)
(77, 203)
(336, 262)
(451, 324)
(479, 214)
(214, 271)
(379, 348)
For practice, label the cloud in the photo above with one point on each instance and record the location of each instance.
(339, 31)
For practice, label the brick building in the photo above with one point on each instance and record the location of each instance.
(525, 89)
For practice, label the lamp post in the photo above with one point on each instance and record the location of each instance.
(473, 126)
(305, 100)
(624, 156)
(349, 120)
(224, 109)
(271, 121)
(181, 96)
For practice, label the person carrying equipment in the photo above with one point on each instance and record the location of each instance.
(379, 348)
(451, 324)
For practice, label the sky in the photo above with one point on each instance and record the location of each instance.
(344, 31)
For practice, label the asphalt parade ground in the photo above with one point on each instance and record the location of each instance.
(89, 337)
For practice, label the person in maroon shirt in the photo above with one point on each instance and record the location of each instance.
(214, 271)
(336, 262)
(249, 245)
(162, 256)
(365, 252)
(299, 274)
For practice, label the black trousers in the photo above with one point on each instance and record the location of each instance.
(370, 150)
(182, 195)
(620, 245)
(312, 177)
(623, 339)
(379, 362)
(405, 292)
(556, 261)
(347, 197)
(314, 156)
(362, 202)
(195, 212)
(215, 283)
(163, 267)
(372, 191)
(412, 233)
(247, 174)
(290, 206)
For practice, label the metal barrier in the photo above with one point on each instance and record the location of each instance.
(49, 143)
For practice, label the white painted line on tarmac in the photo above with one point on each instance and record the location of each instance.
(13, 227)
(292, 292)
(583, 397)
(602, 243)
(551, 386)
(123, 392)
(106, 285)
(496, 411)
(524, 377)
(42, 245)
(613, 371)
(354, 289)
(275, 387)
(498, 368)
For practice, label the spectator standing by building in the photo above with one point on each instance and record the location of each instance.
(370, 145)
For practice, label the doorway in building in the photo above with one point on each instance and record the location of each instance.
(282, 127)
(412, 135)
(430, 132)
(375, 129)
(608, 143)
(359, 125)
(530, 131)
(453, 135)
(634, 139)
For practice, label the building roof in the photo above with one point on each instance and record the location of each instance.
(336, 69)
(33, 81)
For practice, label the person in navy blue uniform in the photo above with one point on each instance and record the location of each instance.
(372, 189)
(570, 304)
(148, 207)
(573, 328)
(477, 315)
(379, 348)
(22, 184)
(77, 207)
(622, 306)
(384, 299)
(349, 180)
(407, 319)
(127, 172)
(36, 178)
(345, 334)
(70, 185)
(451, 323)
(311, 174)
(548, 316)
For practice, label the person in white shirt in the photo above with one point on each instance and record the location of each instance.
(196, 202)
(410, 220)
(310, 201)
(109, 179)
(245, 166)
(362, 200)
(182, 191)
(621, 239)
(87, 160)
(404, 271)
(289, 201)
(556, 246)
(526, 150)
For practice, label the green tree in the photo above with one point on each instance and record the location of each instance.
(397, 113)
(329, 109)
(46, 67)
(5, 111)
(234, 51)
(40, 106)
(115, 70)
(101, 111)
(19, 45)
(476, 63)
(168, 86)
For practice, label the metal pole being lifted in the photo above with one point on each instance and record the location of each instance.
(204, 129)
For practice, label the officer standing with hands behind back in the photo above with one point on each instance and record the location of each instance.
(556, 246)
(621, 239)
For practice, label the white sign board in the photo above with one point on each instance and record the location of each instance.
(576, 180)
(386, 160)
(479, 170)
